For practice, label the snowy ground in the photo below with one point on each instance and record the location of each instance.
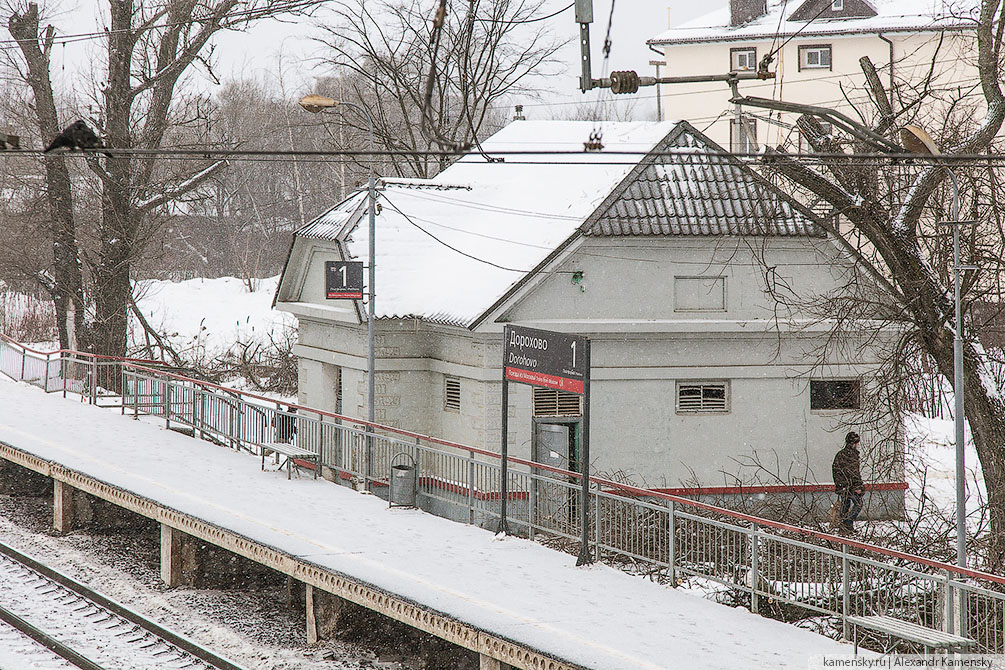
(515, 588)
(931, 456)
(205, 317)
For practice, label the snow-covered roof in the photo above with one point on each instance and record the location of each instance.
(450, 248)
(891, 16)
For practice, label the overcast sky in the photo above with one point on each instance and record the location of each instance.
(631, 25)
(273, 48)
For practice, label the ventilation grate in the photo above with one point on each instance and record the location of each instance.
(552, 402)
(452, 394)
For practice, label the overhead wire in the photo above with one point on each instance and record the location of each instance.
(534, 20)
(101, 34)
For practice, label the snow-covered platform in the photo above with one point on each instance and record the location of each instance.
(510, 599)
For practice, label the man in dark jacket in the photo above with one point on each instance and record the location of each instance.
(848, 481)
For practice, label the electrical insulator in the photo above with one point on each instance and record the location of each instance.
(624, 81)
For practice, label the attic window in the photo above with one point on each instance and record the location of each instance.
(696, 398)
(837, 5)
(452, 394)
(552, 402)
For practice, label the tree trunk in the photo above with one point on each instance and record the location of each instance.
(985, 414)
(68, 291)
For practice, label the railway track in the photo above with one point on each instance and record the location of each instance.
(57, 616)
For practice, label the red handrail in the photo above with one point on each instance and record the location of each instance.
(600, 482)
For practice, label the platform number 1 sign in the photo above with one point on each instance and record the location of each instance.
(344, 279)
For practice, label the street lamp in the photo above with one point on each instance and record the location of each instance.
(916, 140)
(319, 103)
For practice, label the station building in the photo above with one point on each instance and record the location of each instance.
(692, 276)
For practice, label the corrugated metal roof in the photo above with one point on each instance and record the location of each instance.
(329, 226)
(700, 191)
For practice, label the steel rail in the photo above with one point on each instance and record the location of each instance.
(49, 642)
(90, 594)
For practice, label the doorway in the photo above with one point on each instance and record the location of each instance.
(555, 495)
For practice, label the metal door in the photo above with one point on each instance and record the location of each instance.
(554, 503)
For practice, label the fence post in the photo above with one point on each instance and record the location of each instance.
(672, 541)
(136, 394)
(45, 384)
(754, 574)
(167, 405)
(950, 604)
(94, 383)
(845, 591)
(471, 487)
(62, 371)
(596, 522)
(24, 358)
(532, 503)
(240, 423)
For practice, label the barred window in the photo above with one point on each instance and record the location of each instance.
(452, 394)
(552, 402)
(835, 394)
(702, 397)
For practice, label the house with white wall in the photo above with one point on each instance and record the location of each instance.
(663, 250)
(815, 47)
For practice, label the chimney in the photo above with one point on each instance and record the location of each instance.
(743, 11)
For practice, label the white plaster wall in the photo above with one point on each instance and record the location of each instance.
(641, 348)
(707, 105)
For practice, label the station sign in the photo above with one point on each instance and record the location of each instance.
(545, 358)
(344, 279)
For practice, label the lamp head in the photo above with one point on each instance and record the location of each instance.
(315, 103)
(917, 141)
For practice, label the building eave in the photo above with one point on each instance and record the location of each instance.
(752, 37)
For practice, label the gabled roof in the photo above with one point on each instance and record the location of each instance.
(450, 248)
(785, 17)
(700, 191)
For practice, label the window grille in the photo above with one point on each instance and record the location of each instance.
(703, 397)
(835, 394)
(452, 394)
(552, 402)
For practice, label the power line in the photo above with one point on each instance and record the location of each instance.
(246, 13)
(684, 155)
(534, 20)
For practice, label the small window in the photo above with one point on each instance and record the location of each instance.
(815, 57)
(835, 394)
(743, 59)
(699, 294)
(452, 394)
(702, 397)
(552, 402)
(743, 135)
(837, 5)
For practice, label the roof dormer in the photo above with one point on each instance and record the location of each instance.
(828, 10)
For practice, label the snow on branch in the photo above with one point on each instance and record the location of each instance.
(180, 189)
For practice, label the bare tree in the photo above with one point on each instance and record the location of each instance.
(149, 47)
(383, 54)
(894, 238)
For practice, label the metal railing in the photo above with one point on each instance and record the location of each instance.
(771, 567)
